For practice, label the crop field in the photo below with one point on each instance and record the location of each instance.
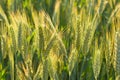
(59, 39)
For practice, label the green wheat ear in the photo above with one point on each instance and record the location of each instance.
(108, 52)
(3, 46)
(79, 40)
(13, 39)
(52, 65)
(10, 53)
(96, 61)
(96, 64)
(41, 39)
(117, 56)
(19, 37)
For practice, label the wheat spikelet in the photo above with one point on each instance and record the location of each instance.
(13, 39)
(41, 39)
(78, 38)
(10, 54)
(113, 45)
(117, 56)
(3, 46)
(19, 37)
(13, 48)
(84, 24)
(87, 41)
(1, 27)
(79, 35)
(96, 61)
(35, 18)
(42, 19)
(90, 33)
(1, 41)
(56, 13)
(96, 64)
(82, 29)
(52, 67)
(108, 52)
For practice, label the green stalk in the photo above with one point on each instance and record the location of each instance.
(82, 66)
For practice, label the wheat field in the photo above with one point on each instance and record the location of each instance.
(59, 39)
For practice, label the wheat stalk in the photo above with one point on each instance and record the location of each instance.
(45, 70)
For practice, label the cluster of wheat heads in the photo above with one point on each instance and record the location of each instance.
(86, 48)
(34, 51)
